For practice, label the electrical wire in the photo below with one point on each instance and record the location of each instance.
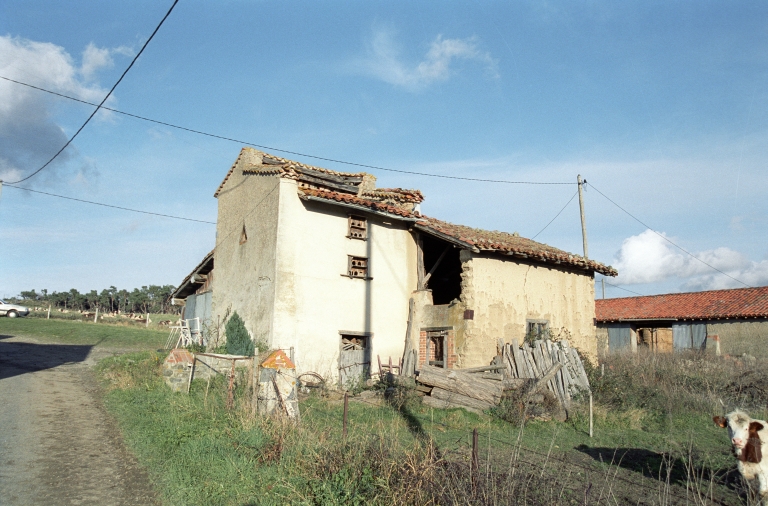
(261, 146)
(99, 106)
(666, 239)
(110, 205)
(558, 214)
(625, 289)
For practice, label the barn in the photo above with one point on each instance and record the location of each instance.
(731, 322)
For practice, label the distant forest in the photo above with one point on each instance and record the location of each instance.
(147, 299)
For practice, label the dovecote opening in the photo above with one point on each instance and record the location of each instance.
(357, 227)
(357, 267)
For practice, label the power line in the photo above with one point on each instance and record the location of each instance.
(99, 106)
(622, 288)
(558, 214)
(248, 143)
(666, 239)
(110, 205)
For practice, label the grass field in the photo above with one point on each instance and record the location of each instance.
(654, 442)
(79, 332)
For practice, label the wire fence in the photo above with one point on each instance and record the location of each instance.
(487, 454)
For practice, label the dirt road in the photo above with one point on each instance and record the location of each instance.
(57, 444)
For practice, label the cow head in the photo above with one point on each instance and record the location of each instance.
(743, 432)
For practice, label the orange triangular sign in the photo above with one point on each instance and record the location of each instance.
(278, 360)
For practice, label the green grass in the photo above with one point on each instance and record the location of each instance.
(79, 332)
(198, 452)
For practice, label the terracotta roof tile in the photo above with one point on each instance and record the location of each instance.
(713, 304)
(482, 240)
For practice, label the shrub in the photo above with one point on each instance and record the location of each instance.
(239, 341)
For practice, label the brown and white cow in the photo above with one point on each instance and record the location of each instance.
(748, 437)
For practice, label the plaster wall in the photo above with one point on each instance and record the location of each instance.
(315, 300)
(245, 273)
(505, 294)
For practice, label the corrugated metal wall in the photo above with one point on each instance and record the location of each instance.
(619, 338)
(689, 336)
(198, 306)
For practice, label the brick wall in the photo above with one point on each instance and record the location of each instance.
(450, 348)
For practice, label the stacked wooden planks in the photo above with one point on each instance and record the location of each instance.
(554, 364)
(533, 362)
(454, 388)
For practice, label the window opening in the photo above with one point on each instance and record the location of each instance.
(436, 340)
(445, 277)
(357, 267)
(358, 228)
(243, 235)
(537, 329)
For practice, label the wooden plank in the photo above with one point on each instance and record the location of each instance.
(529, 362)
(461, 400)
(332, 184)
(441, 404)
(461, 383)
(522, 371)
(580, 370)
(420, 262)
(330, 177)
(505, 354)
(483, 368)
(548, 375)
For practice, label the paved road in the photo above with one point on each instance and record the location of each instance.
(57, 444)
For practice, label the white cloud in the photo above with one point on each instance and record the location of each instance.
(649, 258)
(29, 135)
(384, 60)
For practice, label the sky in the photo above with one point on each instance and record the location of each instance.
(661, 106)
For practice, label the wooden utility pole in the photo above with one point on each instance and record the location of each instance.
(603, 282)
(581, 210)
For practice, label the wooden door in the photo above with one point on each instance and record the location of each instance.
(354, 360)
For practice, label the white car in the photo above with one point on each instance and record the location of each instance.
(12, 310)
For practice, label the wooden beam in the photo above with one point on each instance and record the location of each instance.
(330, 177)
(432, 270)
(420, 261)
(332, 184)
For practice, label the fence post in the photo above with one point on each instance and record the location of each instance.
(590, 414)
(475, 464)
(49, 312)
(147, 320)
(344, 423)
(96, 316)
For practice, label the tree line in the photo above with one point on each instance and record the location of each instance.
(147, 299)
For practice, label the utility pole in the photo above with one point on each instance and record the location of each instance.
(581, 210)
(603, 282)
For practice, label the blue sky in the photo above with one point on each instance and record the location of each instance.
(662, 106)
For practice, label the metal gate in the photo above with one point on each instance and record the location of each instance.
(619, 338)
(354, 360)
(688, 336)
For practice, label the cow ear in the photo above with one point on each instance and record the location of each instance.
(755, 427)
(720, 421)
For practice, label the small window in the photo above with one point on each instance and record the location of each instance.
(537, 329)
(243, 236)
(357, 267)
(358, 228)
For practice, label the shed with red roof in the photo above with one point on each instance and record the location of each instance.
(736, 320)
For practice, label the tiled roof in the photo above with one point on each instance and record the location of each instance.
(358, 189)
(348, 198)
(512, 244)
(471, 238)
(713, 304)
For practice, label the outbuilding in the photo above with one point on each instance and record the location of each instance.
(724, 321)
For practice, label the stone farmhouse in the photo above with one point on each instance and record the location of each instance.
(732, 322)
(343, 272)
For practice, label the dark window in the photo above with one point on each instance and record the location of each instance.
(357, 267)
(537, 329)
(358, 228)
